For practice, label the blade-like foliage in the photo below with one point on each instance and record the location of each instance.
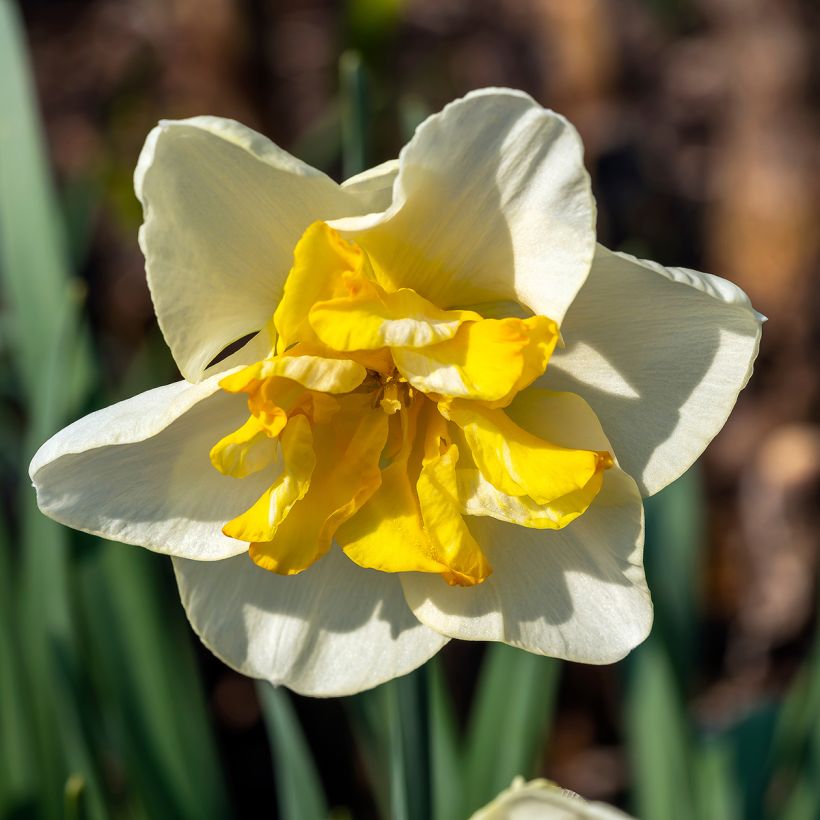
(298, 787)
(509, 720)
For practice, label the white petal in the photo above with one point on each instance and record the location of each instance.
(332, 630)
(139, 472)
(661, 355)
(224, 208)
(374, 187)
(542, 800)
(491, 202)
(577, 593)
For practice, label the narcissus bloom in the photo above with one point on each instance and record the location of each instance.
(544, 800)
(388, 462)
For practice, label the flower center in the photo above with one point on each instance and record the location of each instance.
(392, 391)
(381, 417)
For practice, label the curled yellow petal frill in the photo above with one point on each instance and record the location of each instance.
(388, 411)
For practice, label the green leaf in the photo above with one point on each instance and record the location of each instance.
(50, 355)
(391, 726)
(145, 672)
(18, 771)
(714, 771)
(658, 736)
(409, 752)
(447, 782)
(509, 720)
(51, 350)
(298, 788)
(355, 113)
(673, 558)
(795, 746)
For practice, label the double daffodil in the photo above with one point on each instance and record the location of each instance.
(445, 403)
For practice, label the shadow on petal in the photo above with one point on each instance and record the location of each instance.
(577, 593)
(660, 362)
(334, 629)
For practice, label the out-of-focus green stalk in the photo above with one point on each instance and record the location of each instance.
(446, 777)
(658, 736)
(50, 356)
(674, 564)
(355, 108)
(73, 794)
(407, 701)
(661, 742)
(717, 794)
(509, 720)
(298, 787)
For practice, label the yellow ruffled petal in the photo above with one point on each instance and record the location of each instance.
(387, 533)
(437, 487)
(327, 375)
(243, 381)
(316, 373)
(245, 451)
(367, 317)
(518, 463)
(489, 360)
(479, 497)
(379, 360)
(321, 260)
(261, 521)
(345, 477)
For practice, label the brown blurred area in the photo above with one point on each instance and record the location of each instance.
(700, 122)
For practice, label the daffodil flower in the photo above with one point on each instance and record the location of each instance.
(444, 419)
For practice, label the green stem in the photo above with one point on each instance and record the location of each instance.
(407, 701)
(355, 113)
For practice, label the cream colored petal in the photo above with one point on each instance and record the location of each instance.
(374, 187)
(335, 629)
(543, 800)
(139, 472)
(577, 593)
(661, 355)
(491, 202)
(224, 208)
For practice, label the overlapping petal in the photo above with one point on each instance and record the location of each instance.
(313, 372)
(374, 187)
(661, 355)
(388, 533)
(262, 520)
(334, 630)
(345, 476)
(223, 208)
(368, 318)
(437, 488)
(247, 450)
(489, 360)
(491, 202)
(519, 463)
(576, 593)
(138, 471)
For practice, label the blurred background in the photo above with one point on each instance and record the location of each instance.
(700, 121)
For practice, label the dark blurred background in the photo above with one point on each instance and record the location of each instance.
(700, 122)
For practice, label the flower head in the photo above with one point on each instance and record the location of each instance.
(444, 421)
